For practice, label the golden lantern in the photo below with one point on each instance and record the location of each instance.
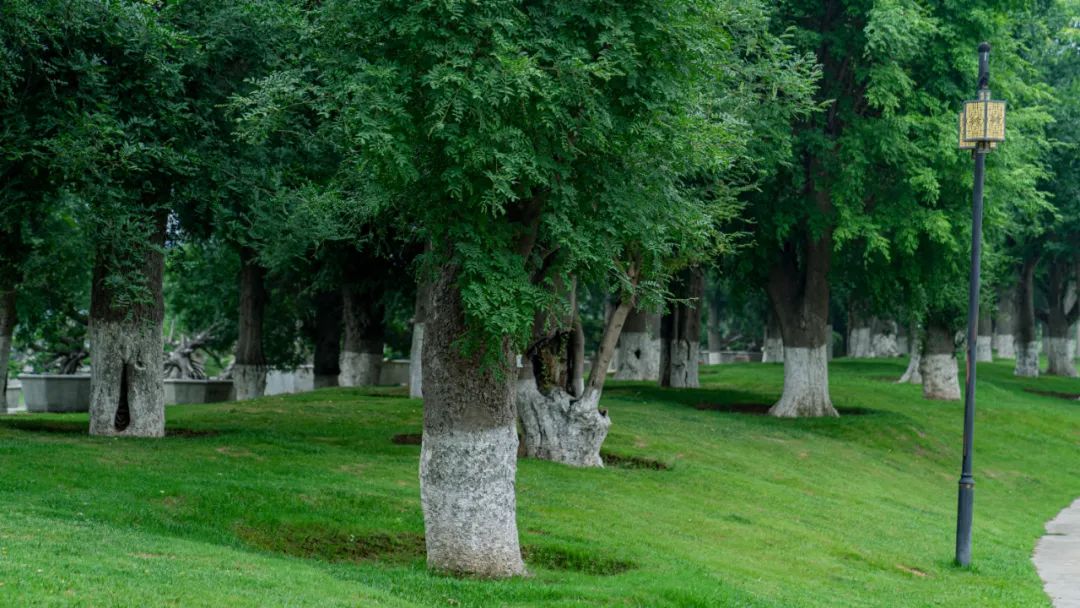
(982, 122)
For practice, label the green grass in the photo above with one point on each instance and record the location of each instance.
(306, 501)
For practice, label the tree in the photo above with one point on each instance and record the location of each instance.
(532, 146)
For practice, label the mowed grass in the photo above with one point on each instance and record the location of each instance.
(306, 500)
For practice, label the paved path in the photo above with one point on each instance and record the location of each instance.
(1057, 558)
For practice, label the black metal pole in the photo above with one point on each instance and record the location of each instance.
(967, 481)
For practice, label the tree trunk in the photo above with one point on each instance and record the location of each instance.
(416, 360)
(912, 375)
(639, 347)
(715, 340)
(468, 459)
(1062, 314)
(773, 351)
(940, 374)
(127, 391)
(680, 332)
(860, 338)
(1027, 349)
(7, 329)
(1005, 323)
(327, 334)
(984, 350)
(249, 372)
(559, 422)
(883, 342)
(799, 292)
(362, 353)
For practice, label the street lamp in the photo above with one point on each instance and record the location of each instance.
(982, 127)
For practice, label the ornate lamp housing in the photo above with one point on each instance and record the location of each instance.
(982, 123)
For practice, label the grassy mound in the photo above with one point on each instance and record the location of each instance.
(306, 500)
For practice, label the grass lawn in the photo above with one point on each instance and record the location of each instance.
(305, 500)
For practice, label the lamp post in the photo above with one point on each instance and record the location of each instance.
(982, 127)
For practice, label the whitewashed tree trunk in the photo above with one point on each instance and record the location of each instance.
(1060, 357)
(416, 365)
(860, 336)
(680, 332)
(883, 341)
(249, 372)
(912, 375)
(360, 369)
(1005, 323)
(560, 427)
(468, 457)
(940, 375)
(806, 384)
(7, 329)
(1027, 360)
(249, 381)
(127, 392)
(773, 349)
(638, 353)
(714, 339)
(984, 348)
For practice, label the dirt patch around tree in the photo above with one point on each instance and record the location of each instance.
(622, 461)
(407, 439)
(315, 542)
(1055, 394)
(574, 560)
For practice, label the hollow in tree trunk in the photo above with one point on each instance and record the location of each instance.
(984, 350)
(327, 337)
(416, 360)
(1005, 323)
(468, 459)
(639, 347)
(559, 422)
(798, 290)
(249, 372)
(1027, 349)
(938, 367)
(127, 391)
(912, 375)
(1063, 311)
(362, 354)
(680, 332)
(7, 329)
(773, 351)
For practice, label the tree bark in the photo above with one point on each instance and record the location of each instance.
(883, 342)
(680, 332)
(468, 459)
(127, 391)
(249, 372)
(7, 330)
(559, 422)
(798, 290)
(639, 347)
(327, 334)
(860, 339)
(715, 340)
(912, 375)
(940, 374)
(984, 349)
(1062, 314)
(416, 364)
(1027, 349)
(773, 351)
(1005, 323)
(362, 353)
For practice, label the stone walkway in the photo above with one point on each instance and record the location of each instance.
(1057, 558)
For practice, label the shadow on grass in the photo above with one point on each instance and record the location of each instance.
(78, 427)
(314, 541)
